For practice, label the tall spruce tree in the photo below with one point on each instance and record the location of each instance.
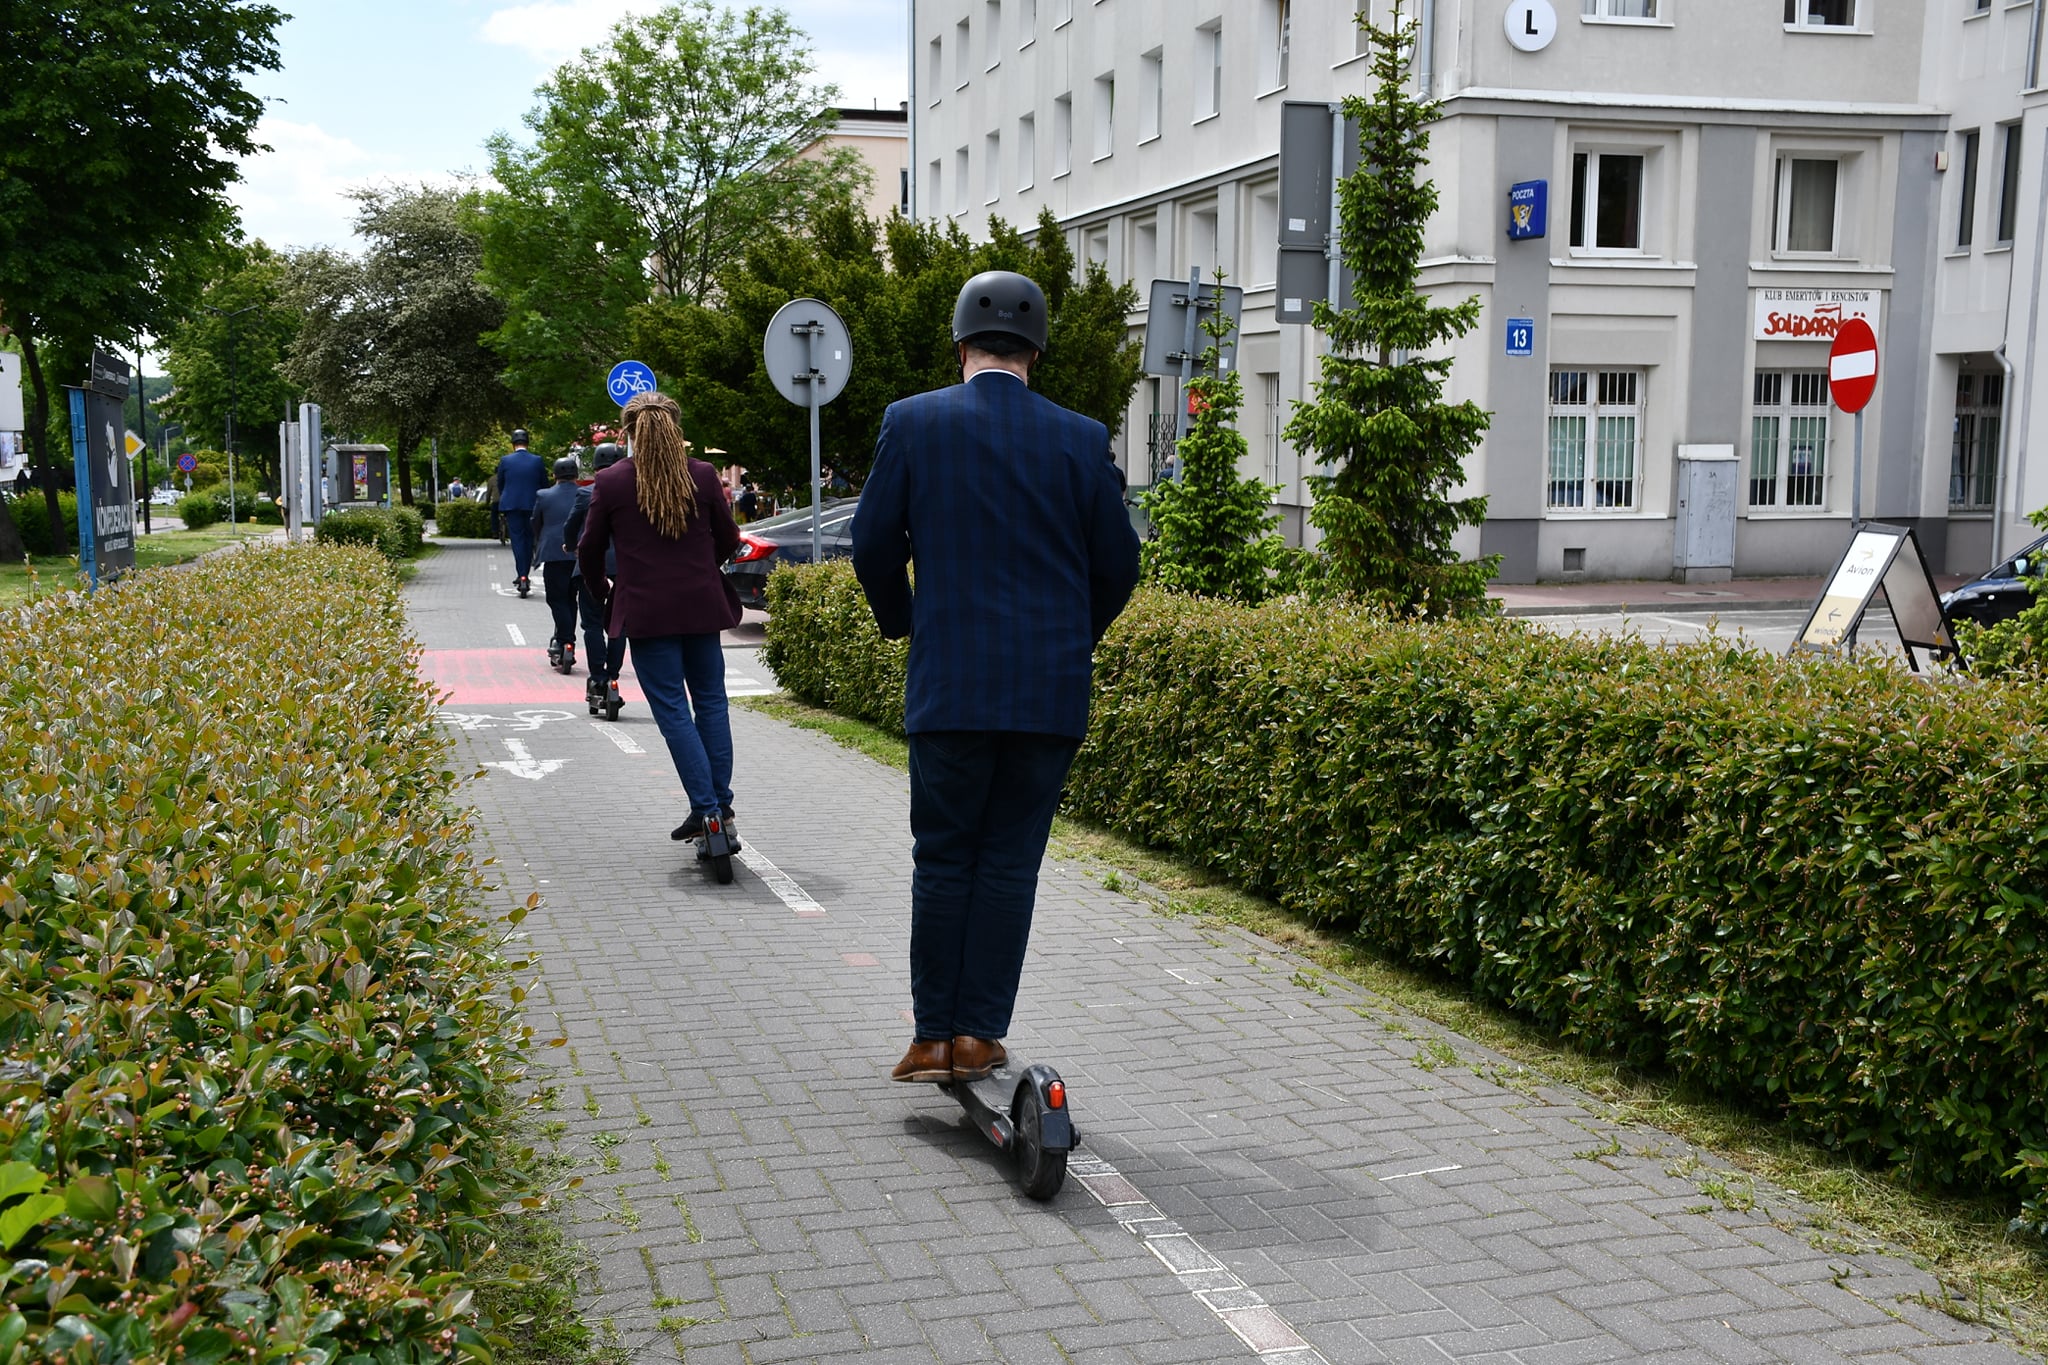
(1395, 450)
(1215, 527)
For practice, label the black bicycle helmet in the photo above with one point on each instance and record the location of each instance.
(607, 454)
(568, 467)
(519, 436)
(1004, 303)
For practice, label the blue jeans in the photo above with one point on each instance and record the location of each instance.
(519, 524)
(684, 679)
(981, 806)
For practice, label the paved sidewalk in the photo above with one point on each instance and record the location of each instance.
(1276, 1166)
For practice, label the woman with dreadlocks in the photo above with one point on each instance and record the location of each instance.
(666, 517)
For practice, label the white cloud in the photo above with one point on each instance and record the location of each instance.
(552, 31)
(295, 194)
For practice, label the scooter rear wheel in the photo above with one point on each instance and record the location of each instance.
(721, 869)
(1041, 1172)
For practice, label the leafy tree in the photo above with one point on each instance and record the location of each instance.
(393, 341)
(658, 158)
(230, 352)
(1379, 423)
(120, 123)
(1215, 527)
(894, 284)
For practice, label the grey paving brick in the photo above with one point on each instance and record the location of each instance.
(827, 1214)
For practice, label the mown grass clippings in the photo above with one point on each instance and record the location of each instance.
(260, 1100)
(1965, 1242)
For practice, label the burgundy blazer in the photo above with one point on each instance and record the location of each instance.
(664, 587)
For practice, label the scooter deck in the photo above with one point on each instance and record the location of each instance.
(988, 1102)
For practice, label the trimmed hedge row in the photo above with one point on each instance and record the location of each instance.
(394, 532)
(1813, 886)
(258, 1053)
(461, 517)
(32, 518)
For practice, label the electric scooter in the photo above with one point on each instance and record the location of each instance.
(1023, 1110)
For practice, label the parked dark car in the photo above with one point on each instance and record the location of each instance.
(2004, 592)
(785, 538)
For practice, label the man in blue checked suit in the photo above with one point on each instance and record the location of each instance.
(1011, 509)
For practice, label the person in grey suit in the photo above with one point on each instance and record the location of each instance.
(1011, 508)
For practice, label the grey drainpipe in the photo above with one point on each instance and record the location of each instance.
(911, 151)
(2034, 46)
(1425, 73)
(2004, 459)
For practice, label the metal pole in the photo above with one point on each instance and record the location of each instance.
(142, 421)
(811, 331)
(1187, 367)
(434, 493)
(1856, 477)
(1333, 241)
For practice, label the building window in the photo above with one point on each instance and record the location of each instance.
(1027, 151)
(1262, 237)
(1620, 9)
(1209, 59)
(1820, 13)
(1595, 439)
(938, 70)
(992, 33)
(1607, 201)
(1151, 81)
(1144, 257)
(2009, 185)
(992, 167)
(1201, 241)
(1788, 439)
(1095, 247)
(1966, 222)
(1062, 12)
(1276, 23)
(1105, 114)
(959, 181)
(1973, 463)
(1027, 22)
(903, 191)
(961, 58)
(1062, 134)
(1804, 205)
(932, 198)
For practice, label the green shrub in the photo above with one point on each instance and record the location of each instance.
(1814, 886)
(268, 512)
(260, 1058)
(32, 519)
(394, 532)
(463, 518)
(200, 509)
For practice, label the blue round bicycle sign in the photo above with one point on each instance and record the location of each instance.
(628, 379)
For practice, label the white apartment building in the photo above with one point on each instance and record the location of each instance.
(1726, 180)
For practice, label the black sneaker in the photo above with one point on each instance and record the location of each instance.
(693, 828)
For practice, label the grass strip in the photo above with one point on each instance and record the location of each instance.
(1993, 1276)
(41, 575)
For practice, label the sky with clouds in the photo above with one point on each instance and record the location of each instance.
(378, 91)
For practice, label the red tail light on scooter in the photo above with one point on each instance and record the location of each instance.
(751, 549)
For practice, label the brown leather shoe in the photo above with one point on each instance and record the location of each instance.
(929, 1059)
(974, 1058)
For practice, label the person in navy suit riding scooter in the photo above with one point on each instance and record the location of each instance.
(1012, 511)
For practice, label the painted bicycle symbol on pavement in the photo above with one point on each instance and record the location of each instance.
(519, 720)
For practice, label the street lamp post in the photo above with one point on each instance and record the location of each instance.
(233, 387)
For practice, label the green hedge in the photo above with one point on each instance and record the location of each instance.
(200, 510)
(461, 517)
(395, 532)
(31, 518)
(260, 1060)
(1814, 886)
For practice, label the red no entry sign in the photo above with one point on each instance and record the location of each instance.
(1852, 366)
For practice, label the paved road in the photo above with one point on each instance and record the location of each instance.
(1276, 1166)
(1772, 631)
